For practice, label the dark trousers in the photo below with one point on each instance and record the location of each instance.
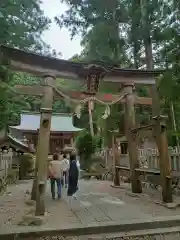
(58, 182)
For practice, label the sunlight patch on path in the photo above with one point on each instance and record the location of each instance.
(112, 200)
(95, 194)
(85, 203)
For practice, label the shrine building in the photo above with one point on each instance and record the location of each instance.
(62, 130)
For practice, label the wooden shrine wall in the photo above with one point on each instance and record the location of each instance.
(57, 140)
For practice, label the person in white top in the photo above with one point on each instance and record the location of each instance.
(55, 174)
(65, 166)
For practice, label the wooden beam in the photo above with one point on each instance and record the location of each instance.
(145, 80)
(141, 100)
(39, 91)
(142, 128)
(39, 70)
(25, 61)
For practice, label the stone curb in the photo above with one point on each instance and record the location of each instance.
(141, 233)
(77, 230)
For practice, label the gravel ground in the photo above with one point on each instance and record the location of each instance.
(12, 206)
(148, 200)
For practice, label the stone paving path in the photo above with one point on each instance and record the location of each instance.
(93, 206)
(97, 203)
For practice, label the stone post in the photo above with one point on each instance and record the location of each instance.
(116, 180)
(131, 137)
(160, 134)
(164, 160)
(34, 187)
(43, 143)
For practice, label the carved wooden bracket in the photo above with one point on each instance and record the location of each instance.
(45, 123)
(93, 81)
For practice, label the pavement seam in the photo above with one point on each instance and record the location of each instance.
(104, 212)
(87, 209)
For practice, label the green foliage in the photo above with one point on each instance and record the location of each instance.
(97, 142)
(12, 104)
(12, 176)
(87, 146)
(3, 95)
(22, 24)
(125, 33)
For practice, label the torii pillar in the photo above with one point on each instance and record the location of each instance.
(43, 142)
(132, 142)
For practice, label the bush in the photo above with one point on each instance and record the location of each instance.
(26, 165)
(87, 146)
(12, 176)
(98, 142)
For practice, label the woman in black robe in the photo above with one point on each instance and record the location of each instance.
(73, 176)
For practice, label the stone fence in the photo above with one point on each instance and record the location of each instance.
(5, 161)
(9, 170)
(149, 158)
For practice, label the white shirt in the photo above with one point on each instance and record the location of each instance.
(78, 162)
(65, 164)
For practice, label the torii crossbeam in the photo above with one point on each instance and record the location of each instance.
(39, 92)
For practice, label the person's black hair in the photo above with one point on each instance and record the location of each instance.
(72, 157)
(64, 155)
(55, 156)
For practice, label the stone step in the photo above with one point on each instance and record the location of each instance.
(165, 227)
(171, 233)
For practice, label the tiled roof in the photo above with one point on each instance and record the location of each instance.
(59, 123)
(14, 143)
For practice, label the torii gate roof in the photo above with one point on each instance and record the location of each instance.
(37, 64)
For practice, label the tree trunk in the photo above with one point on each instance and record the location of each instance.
(159, 130)
(135, 30)
(174, 123)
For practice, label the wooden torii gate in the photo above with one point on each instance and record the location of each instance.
(92, 74)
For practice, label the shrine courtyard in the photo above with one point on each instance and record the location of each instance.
(98, 205)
